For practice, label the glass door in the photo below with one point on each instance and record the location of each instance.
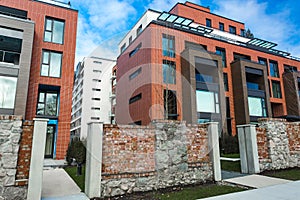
(49, 141)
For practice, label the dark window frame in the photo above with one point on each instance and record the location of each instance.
(232, 29)
(169, 49)
(172, 104)
(221, 26)
(208, 22)
(44, 102)
(133, 52)
(135, 98)
(52, 29)
(222, 52)
(49, 62)
(135, 73)
(276, 91)
(225, 79)
(274, 70)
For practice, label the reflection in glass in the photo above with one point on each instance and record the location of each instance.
(8, 87)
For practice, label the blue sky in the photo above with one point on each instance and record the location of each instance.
(102, 23)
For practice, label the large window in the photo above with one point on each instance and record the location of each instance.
(47, 103)
(51, 65)
(8, 87)
(207, 101)
(276, 89)
(169, 72)
(222, 53)
(274, 69)
(10, 49)
(54, 31)
(168, 45)
(257, 107)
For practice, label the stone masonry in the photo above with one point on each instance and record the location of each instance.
(278, 144)
(165, 154)
(10, 137)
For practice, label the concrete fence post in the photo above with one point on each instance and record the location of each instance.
(214, 149)
(37, 159)
(248, 149)
(93, 160)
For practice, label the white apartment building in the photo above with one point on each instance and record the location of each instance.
(92, 94)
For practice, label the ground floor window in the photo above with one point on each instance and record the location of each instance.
(207, 101)
(257, 107)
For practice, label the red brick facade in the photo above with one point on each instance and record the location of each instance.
(293, 131)
(37, 12)
(24, 155)
(262, 144)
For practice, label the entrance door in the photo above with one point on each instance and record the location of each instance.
(49, 141)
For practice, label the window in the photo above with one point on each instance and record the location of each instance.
(221, 26)
(238, 56)
(243, 33)
(133, 52)
(8, 88)
(257, 107)
(10, 49)
(169, 72)
(96, 89)
(222, 53)
(123, 48)
(276, 89)
(54, 31)
(97, 71)
(130, 39)
(208, 22)
(204, 78)
(97, 62)
(232, 29)
(274, 69)
(228, 116)
(288, 68)
(96, 99)
(252, 86)
(262, 61)
(139, 30)
(95, 108)
(96, 80)
(170, 105)
(47, 103)
(225, 77)
(168, 45)
(51, 64)
(207, 101)
(135, 74)
(95, 118)
(135, 98)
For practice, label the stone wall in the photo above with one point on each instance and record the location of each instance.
(165, 154)
(278, 144)
(10, 152)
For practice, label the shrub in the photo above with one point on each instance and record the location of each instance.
(77, 151)
(229, 144)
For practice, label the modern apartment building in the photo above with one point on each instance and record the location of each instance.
(93, 94)
(193, 65)
(39, 41)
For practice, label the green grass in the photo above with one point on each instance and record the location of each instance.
(232, 155)
(79, 180)
(231, 166)
(199, 192)
(292, 174)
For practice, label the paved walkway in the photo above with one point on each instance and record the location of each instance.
(57, 185)
(287, 191)
(256, 181)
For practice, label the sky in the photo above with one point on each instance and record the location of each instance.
(103, 23)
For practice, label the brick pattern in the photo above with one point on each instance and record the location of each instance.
(128, 149)
(197, 144)
(293, 131)
(24, 154)
(262, 143)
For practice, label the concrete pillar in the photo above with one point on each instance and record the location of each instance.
(214, 149)
(93, 160)
(37, 158)
(248, 149)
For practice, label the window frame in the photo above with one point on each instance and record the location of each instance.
(208, 22)
(44, 102)
(221, 24)
(170, 48)
(223, 55)
(49, 63)
(274, 72)
(276, 90)
(52, 29)
(231, 28)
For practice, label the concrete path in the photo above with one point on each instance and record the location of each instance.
(256, 181)
(287, 191)
(57, 185)
(231, 174)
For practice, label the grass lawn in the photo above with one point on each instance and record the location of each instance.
(199, 192)
(79, 180)
(289, 174)
(231, 166)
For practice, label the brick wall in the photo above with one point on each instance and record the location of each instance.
(278, 144)
(164, 154)
(24, 155)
